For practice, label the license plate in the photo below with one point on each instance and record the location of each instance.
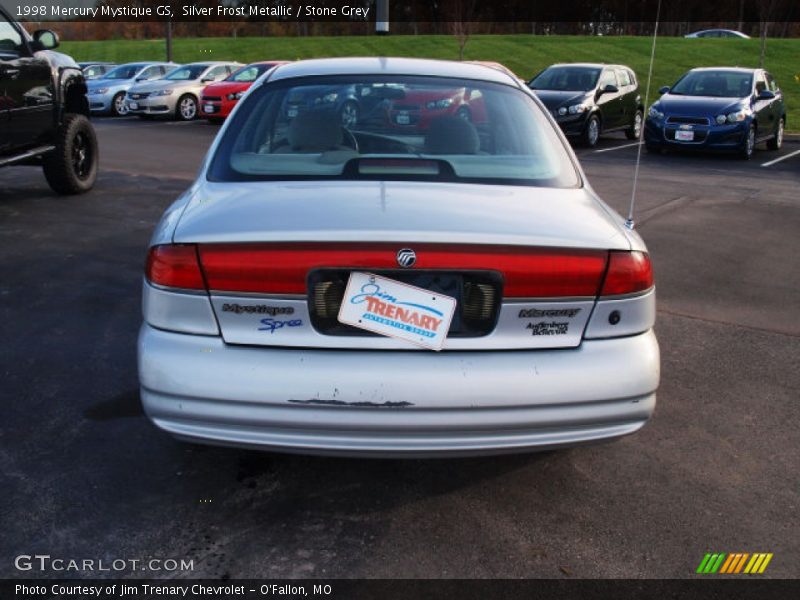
(684, 136)
(209, 108)
(403, 119)
(133, 105)
(397, 310)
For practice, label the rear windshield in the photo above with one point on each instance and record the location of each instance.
(719, 84)
(406, 128)
(566, 79)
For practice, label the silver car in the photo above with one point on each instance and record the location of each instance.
(107, 95)
(178, 93)
(293, 294)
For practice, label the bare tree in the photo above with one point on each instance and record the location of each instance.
(766, 13)
(462, 16)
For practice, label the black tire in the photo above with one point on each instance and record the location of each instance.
(591, 133)
(118, 106)
(635, 130)
(776, 142)
(749, 144)
(72, 167)
(183, 112)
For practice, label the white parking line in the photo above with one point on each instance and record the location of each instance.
(777, 160)
(618, 147)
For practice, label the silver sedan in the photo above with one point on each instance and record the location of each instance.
(177, 94)
(107, 94)
(429, 281)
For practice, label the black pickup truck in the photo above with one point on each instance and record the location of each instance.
(43, 109)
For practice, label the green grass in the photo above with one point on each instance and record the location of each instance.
(524, 54)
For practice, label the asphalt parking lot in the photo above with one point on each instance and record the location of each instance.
(86, 475)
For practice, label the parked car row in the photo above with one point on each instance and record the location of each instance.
(149, 89)
(715, 108)
(712, 108)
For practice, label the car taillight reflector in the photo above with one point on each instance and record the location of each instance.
(282, 268)
(175, 266)
(628, 273)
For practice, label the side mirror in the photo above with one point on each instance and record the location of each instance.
(766, 95)
(663, 90)
(609, 89)
(207, 80)
(45, 39)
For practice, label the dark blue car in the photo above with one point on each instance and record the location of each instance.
(718, 108)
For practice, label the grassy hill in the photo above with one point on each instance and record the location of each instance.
(524, 54)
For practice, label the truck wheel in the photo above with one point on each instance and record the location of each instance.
(72, 167)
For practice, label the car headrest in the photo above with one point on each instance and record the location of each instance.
(451, 135)
(314, 131)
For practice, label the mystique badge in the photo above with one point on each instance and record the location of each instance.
(397, 310)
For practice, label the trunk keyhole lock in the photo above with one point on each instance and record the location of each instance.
(614, 317)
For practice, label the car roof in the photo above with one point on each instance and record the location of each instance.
(719, 29)
(592, 65)
(146, 63)
(731, 69)
(390, 66)
(209, 63)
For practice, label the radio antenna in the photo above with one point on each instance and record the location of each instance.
(629, 221)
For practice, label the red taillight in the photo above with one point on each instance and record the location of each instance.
(175, 266)
(628, 273)
(283, 268)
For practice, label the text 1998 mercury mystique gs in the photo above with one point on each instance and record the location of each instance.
(267, 281)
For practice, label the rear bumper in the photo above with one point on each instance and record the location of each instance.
(383, 403)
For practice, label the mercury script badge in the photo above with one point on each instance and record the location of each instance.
(406, 257)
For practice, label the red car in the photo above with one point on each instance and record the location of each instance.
(418, 107)
(218, 99)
